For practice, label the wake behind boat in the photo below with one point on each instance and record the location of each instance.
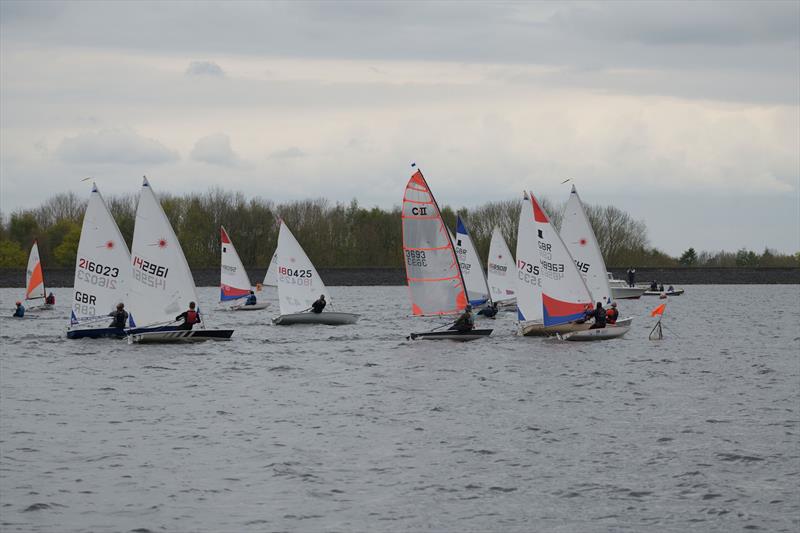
(161, 284)
(299, 286)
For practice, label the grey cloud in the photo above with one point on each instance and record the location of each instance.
(289, 153)
(121, 146)
(215, 150)
(204, 68)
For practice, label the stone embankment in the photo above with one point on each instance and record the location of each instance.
(209, 277)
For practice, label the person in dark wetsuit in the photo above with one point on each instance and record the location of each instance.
(120, 317)
(190, 317)
(466, 322)
(19, 312)
(654, 285)
(319, 305)
(51, 299)
(489, 311)
(251, 300)
(631, 277)
(599, 315)
(612, 314)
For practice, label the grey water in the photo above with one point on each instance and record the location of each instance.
(354, 428)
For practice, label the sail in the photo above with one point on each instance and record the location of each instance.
(299, 284)
(500, 271)
(471, 266)
(578, 235)
(434, 278)
(161, 284)
(271, 277)
(34, 278)
(102, 267)
(233, 280)
(565, 296)
(529, 281)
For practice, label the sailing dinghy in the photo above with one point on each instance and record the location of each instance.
(102, 269)
(565, 296)
(35, 294)
(500, 271)
(471, 267)
(581, 242)
(271, 277)
(299, 286)
(161, 284)
(435, 282)
(234, 284)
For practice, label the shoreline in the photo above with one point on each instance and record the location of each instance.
(378, 276)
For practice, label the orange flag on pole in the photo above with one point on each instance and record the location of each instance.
(658, 310)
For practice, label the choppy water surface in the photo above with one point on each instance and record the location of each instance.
(354, 428)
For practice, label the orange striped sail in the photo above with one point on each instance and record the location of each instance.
(435, 282)
(34, 279)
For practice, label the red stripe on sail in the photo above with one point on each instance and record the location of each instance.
(223, 236)
(538, 213)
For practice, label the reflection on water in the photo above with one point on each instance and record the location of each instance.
(310, 428)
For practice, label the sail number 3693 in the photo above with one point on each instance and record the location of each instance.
(416, 258)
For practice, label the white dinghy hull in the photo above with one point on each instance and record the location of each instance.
(183, 335)
(601, 334)
(538, 329)
(328, 319)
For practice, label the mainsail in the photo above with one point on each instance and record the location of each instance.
(471, 266)
(577, 233)
(565, 296)
(233, 280)
(34, 278)
(299, 284)
(435, 282)
(161, 286)
(529, 281)
(500, 271)
(271, 277)
(102, 267)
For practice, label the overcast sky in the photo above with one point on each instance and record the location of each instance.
(685, 114)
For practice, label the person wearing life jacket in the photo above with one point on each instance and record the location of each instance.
(19, 312)
(654, 285)
(319, 305)
(612, 314)
(190, 317)
(119, 317)
(466, 322)
(489, 311)
(251, 300)
(51, 299)
(599, 315)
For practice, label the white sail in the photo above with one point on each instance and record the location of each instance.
(577, 233)
(34, 277)
(161, 284)
(471, 266)
(529, 281)
(233, 280)
(299, 284)
(271, 277)
(102, 267)
(500, 271)
(565, 296)
(434, 279)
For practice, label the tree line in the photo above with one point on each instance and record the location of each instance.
(332, 234)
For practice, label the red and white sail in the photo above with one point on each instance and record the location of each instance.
(34, 278)
(529, 281)
(500, 269)
(578, 235)
(435, 283)
(233, 281)
(565, 296)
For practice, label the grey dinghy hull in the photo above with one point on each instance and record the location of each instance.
(328, 319)
(602, 334)
(537, 329)
(676, 292)
(452, 335)
(181, 335)
(257, 307)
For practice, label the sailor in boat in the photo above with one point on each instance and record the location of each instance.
(319, 305)
(466, 322)
(19, 312)
(489, 311)
(654, 285)
(51, 299)
(612, 314)
(671, 288)
(251, 300)
(599, 315)
(661, 287)
(119, 317)
(190, 317)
